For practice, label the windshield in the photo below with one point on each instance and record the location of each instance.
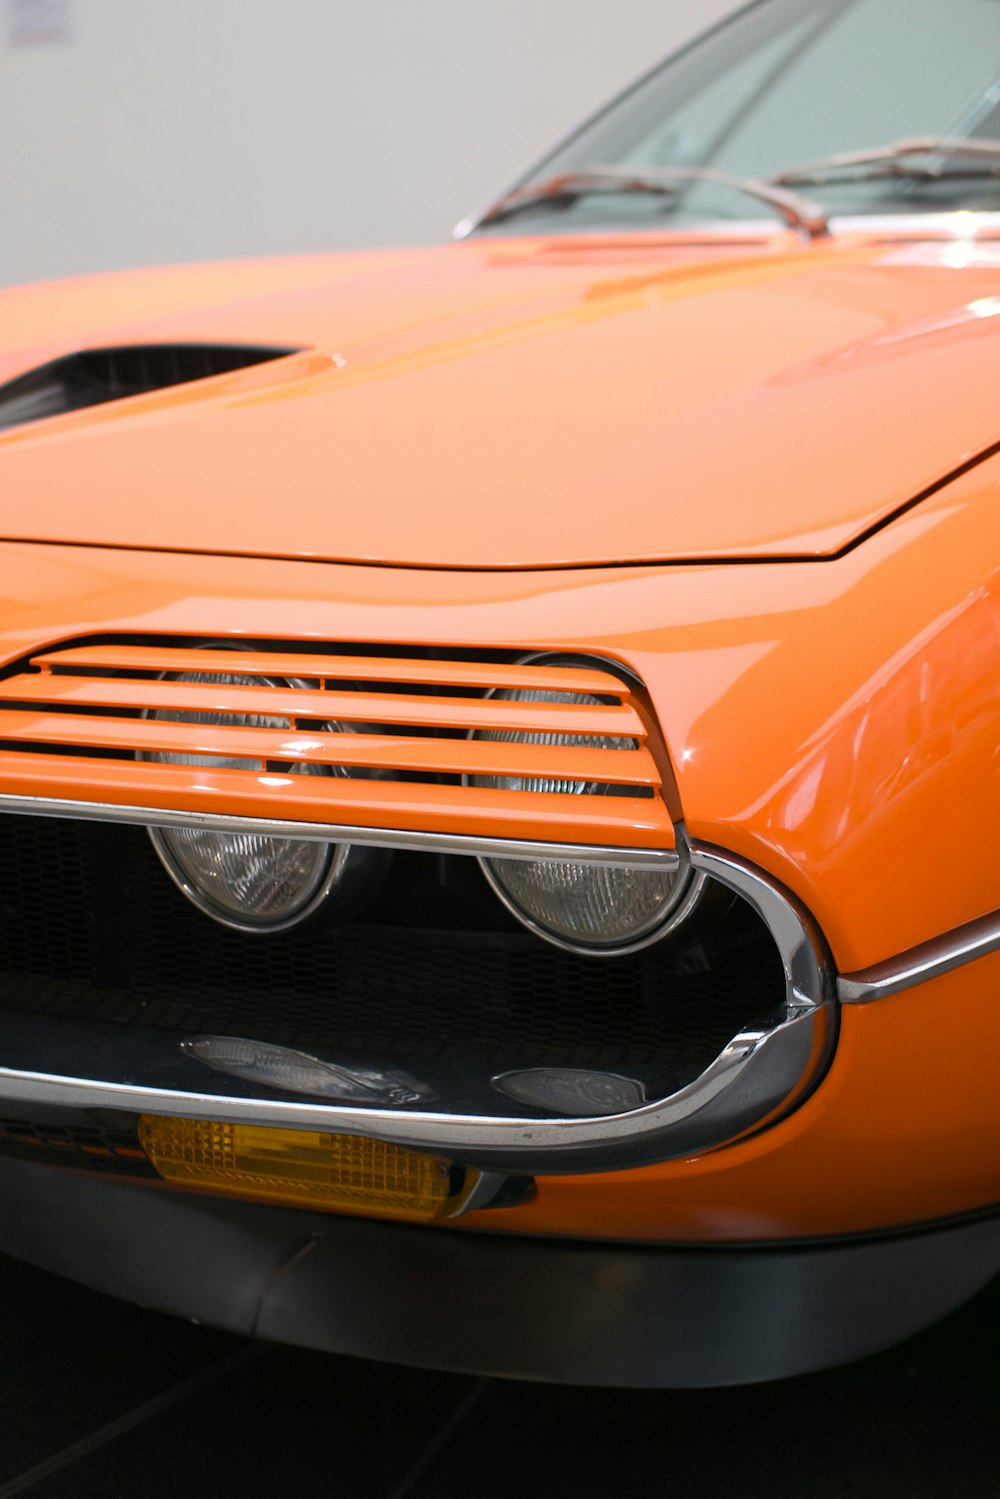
(789, 82)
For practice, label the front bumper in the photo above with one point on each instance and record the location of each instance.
(505, 1305)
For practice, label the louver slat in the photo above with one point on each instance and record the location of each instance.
(481, 757)
(474, 674)
(292, 703)
(340, 803)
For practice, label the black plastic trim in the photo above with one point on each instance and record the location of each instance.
(568, 1311)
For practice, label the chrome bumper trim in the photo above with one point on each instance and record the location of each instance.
(755, 1077)
(808, 975)
(921, 964)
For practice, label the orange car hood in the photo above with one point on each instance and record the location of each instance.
(520, 403)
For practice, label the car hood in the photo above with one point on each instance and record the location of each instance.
(521, 403)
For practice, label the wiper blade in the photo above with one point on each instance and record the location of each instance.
(893, 160)
(799, 212)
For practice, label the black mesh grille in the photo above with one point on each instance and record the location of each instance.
(91, 927)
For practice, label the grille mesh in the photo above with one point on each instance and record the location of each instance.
(91, 928)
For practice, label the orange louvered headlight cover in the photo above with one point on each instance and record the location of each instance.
(76, 722)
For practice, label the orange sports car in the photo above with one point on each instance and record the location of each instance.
(500, 744)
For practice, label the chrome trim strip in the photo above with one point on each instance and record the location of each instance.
(808, 973)
(439, 843)
(921, 964)
(753, 1078)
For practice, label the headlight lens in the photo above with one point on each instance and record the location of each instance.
(592, 907)
(587, 907)
(246, 880)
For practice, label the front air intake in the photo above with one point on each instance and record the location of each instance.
(95, 377)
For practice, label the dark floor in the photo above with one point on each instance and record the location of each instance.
(100, 1398)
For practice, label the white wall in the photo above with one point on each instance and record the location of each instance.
(165, 130)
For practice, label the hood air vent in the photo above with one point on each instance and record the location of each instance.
(94, 377)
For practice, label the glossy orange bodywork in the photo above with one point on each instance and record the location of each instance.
(836, 723)
(521, 403)
(801, 436)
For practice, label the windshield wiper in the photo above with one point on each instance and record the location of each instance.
(799, 212)
(893, 160)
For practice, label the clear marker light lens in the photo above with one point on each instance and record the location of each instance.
(573, 1090)
(263, 1062)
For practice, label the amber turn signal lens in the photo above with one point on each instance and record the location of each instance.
(333, 1173)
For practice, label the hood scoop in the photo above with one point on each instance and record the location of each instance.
(95, 377)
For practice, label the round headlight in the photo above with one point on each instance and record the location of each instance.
(603, 909)
(247, 880)
(599, 908)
